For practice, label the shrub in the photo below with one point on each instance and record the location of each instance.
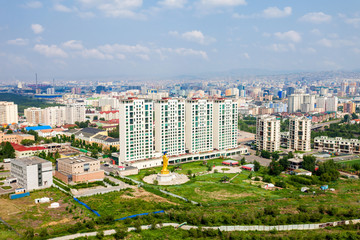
(256, 179)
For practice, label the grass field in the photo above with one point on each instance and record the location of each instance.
(351, 162)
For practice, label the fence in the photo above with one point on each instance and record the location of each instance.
(140, 214)
(97, 214)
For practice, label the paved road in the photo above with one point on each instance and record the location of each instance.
(325, 124)
(251, 158)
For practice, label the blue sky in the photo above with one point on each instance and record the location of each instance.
(101, 39)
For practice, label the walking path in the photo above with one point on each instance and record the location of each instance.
(225, 228)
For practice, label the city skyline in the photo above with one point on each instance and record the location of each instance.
(82, 39)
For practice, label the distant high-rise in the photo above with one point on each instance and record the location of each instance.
(50, 91)
(268, 133)
(301, 103)
(8, 113)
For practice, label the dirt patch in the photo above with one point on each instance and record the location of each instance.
(9, 208)
(64, 220)
(222, 194)
(147, 196)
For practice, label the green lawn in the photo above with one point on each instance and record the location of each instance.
(351, 162)
(195, 167)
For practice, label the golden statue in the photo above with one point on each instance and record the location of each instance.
(164, 170)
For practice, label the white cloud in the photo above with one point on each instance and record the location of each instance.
(282, 47)
(289, 36)
(33, 4)
(316, 17)
(37, 28)
(316, 31)
(187, 52)
(173, 3)
(144, 57)
(18, 41)
(351, 21)
(73, 44)
(122, 48)
(62, 8)
(194, 36)
(222, 3)
(115, 8)
(50, 51)
(325, 42)
(271, 12)
(95, 54)
(274, 12)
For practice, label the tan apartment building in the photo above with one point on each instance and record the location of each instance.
(78, 169)
(268, 133)
(15, 138)
(300, 134)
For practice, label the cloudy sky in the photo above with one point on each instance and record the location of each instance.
(80, 39)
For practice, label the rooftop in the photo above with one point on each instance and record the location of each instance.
(22, 148)
(38, 128)
(28, 161)
(77, 159)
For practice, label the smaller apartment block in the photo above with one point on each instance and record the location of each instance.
(32, 172)
(337, 144)
(78, 169)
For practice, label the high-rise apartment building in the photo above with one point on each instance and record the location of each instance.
(34, 115)
(268, 133)
(225, 115)
(301, 103)
(75, 113)
(8, 113)
(300, 134)
(349, 107)
(54, 116)
(170, 126)
(199, 125)
(136, 129)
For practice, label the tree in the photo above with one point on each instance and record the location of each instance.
(328, 171)
(94, 153)
(242, 161)
(9, 131)
(309, 163)
(224, 179)
(100, 235)
(27, 142)
(95, 118)
(290, 155)
(35, 134)
(7, 150)
(265, 154)
(57, 155)
(275, 168)
(347, 118)
(354, 116)
(275, 155)
(284, 162)
(256, 166)
(120, 233)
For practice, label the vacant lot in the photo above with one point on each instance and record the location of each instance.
(24, 213)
